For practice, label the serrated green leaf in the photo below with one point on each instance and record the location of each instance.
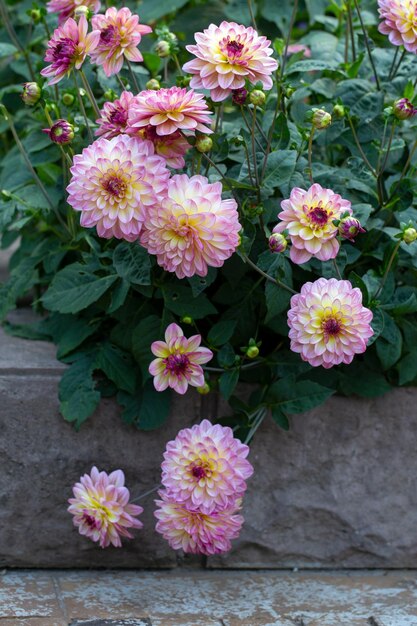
(147, 331)
(117, 365)
(180, 300)
(279, 417)
(147, 409)
(221, 332)
(132, 263)
(407, 368)
(77, 394)
(279, 168)
(228, 382)
(297, 397)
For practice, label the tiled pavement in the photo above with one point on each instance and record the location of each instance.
(208, 598)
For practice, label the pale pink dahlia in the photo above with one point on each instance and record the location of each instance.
(68, 48)
(193, 228)
(114, 184)
(169, 110)
(206, 467)
(66, 8)
(227, 56)
(293, 48)
(101, 508)
(399, 22)
(171, 147)
(120, 34)
(308, 217)
(189, 529)
(328, 324)
(114, 116)
(179, 361)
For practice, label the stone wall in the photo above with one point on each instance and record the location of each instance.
(338, 490)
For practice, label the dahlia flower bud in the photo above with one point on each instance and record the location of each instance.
(35, 15)
(409, 235)
(187, 319)
(277, 242)
(349, 228)
(403, 109)
(239, 96)
(204, 389)
(339, 110)
(31, 93)
(204, 144)
(163, 49)
(252, 352)
(68, 99)
(257, 97)
(82, 10)
(321, 119)
(153, 84)
(61, 132)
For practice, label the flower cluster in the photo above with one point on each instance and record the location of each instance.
(203, 474)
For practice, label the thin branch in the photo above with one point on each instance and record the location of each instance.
(365, 35)
(267, 276)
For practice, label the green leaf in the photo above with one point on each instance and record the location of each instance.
(279, 168)
(74, 288)
(312, 66)
(7, 50)
(277, 300)
(377, 325)
(228, 382)
(77, 394)
(132, 262)
(147, 331)
(147, 409)
(226, 356)
(153, 10)
(179, 299)
(117, 365)
(200, 283)
(297, 397)
(279, 417)
(362, 381)
(118, 295)
(407, 368)
(152, 61)
(389, 344)
(221, 332)
(69, 332)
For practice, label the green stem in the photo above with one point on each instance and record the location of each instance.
(250, 129)
(393, 74)
(271, 129)
(132, 73)
(177, 63)
(252, 15)
(310, 155)
(385, 276)
(255, 164)
(89, 93)
(12, 34)
(259, 417)
(248, 161)
(351, 31)
(267, 276)
(338, 274)
(363, 155)
(287, 41)
(82, 107)
(365, 35)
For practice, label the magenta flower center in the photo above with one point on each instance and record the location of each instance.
(64, 51)
(177, 363)
(234, 48)
(318, 216)
(90, 521)
(200, 469)
(115, 186)
(331, 326)
(110, 35)
(118, 117)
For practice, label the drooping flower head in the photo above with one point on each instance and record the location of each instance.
(120, 34)
(114, 183)
(61, 132)
(196, 532)
(328, 324)
(66, 8)
(399, 22)
(227, 56)
(169, 110)
(68, 48)
(308, 217)
(179, 361)
(113, 119)
(193, 228)
(101, 508)
(349, 228)
(171, 147)
(206, 467)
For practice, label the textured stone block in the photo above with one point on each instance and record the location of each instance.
(337, 490)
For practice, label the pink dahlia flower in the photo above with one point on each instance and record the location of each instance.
(206, 467)
(399, 22)
(66, 8)
(179, 361)
(114, 183)
(308, 217)
(101, 508)
(171, 147)
(68, 48)
(193, 228)
(120, 34)
(114, 116)
(227, 56)
(293, 48)
(169, 110)
(328, 324)
(193, 531)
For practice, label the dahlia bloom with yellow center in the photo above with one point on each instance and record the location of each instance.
(328, 324)
(399, 22)
(192, 228)
(227, 56)
(67, 48)
(206, 467)
(189, 529)
(308, 217)
(114, 184)
(179, 360)
(101, 508)
(120, 34)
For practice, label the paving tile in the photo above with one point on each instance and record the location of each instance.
(32, 621)
(24, 595)
(111, 622)
(185, 620)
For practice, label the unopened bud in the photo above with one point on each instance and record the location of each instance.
(321, 119)
(153, 84)
(36, 15)
(349, 228)
(204, 389)
(257, 97)
(239, 96)
(277, 243)
(252, 352)
(289, 92)
(68, 99)
(238, 140)
(204, 144)
(6, 195)
(82, 10)
(110, 95)
(409, 235)
(163, 49)
(403, 109)
(31, 93)
(61, 132)
(339, 110)
(187, 319)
